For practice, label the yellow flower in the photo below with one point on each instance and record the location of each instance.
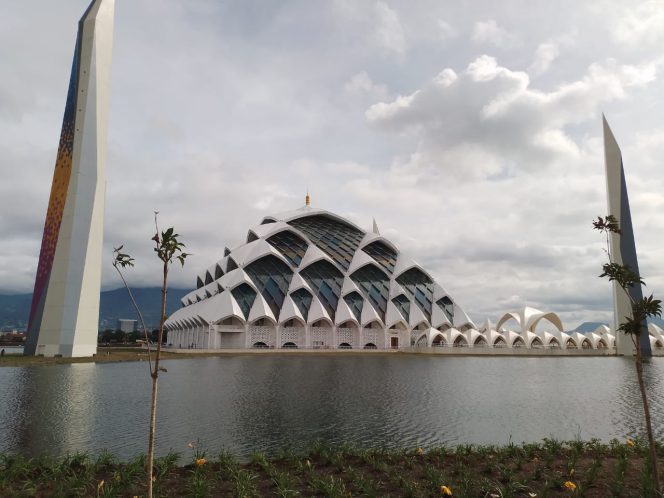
(200, 461)
(630, 443)
(570, 485)
(419, 451)
(444, 490)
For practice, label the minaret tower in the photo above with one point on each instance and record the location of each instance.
(64, 315)
(623, 247)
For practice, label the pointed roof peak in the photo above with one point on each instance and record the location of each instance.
(375, 227)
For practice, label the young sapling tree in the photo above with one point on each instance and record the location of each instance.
(169, 249)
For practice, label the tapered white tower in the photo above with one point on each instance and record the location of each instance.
(623, 247)
(64, 315)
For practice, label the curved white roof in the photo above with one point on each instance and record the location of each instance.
(312, 264)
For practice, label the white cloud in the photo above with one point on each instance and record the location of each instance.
(497, 112)
(388, 32)
(488, 32)
(362, 85)
(446, 30)
(545, 54)
(638, 25)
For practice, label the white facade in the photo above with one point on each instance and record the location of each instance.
(622, 246)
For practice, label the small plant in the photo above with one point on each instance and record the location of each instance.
(168, 248)
(633, 325)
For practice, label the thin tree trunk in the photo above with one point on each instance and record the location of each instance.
(155, 380)
(153, 426)
(646, 411)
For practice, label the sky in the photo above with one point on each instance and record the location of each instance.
(471, 132)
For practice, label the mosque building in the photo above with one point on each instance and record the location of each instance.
(309, 278)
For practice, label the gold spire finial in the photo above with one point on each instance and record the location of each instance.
(307, 199)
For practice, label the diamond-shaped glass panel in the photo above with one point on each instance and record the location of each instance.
(336, 239)
(447, 306)
(402, 303)
(292, 246)
(302, 299)
(420, 288)
(355, 303)
(384, 255)
(326, 281)
(245, 296)
(375, 286)
(271, 276)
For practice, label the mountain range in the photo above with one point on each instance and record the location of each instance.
(115, 304)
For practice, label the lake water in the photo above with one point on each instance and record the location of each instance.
(264, 402)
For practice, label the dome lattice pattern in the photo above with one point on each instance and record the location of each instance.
(310, 278)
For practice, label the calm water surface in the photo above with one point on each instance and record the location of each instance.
(249, 403)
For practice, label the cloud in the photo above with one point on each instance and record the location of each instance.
(361, 85)
(488, 32)
(446, 30)
(388, 32)
(639, 25)
(545, 54)
(497, 112)
(487, 170)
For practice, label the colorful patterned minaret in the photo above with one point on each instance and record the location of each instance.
(64, 315)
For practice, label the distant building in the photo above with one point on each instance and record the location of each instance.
(127, 326)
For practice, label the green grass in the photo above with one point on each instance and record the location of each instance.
(597, 470)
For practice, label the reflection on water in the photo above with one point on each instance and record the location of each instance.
(249, 403)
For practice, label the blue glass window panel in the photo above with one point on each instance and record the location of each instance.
(271, 276)
(291, 245)
(336, 239)
(402, 304)
(447, 306)
(326, 281)
(384, 255)
(245, 296)
(355, 303)
(375, 286)
(303, 299)
(419, 287)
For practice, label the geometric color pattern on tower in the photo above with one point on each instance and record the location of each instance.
(64, 314)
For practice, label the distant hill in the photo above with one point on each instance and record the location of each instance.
(588, 327)
(115, 304)
(591, 326)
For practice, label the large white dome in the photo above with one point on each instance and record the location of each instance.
(311, 269)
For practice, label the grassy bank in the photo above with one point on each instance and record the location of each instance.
(104, 355)
(550, 468)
